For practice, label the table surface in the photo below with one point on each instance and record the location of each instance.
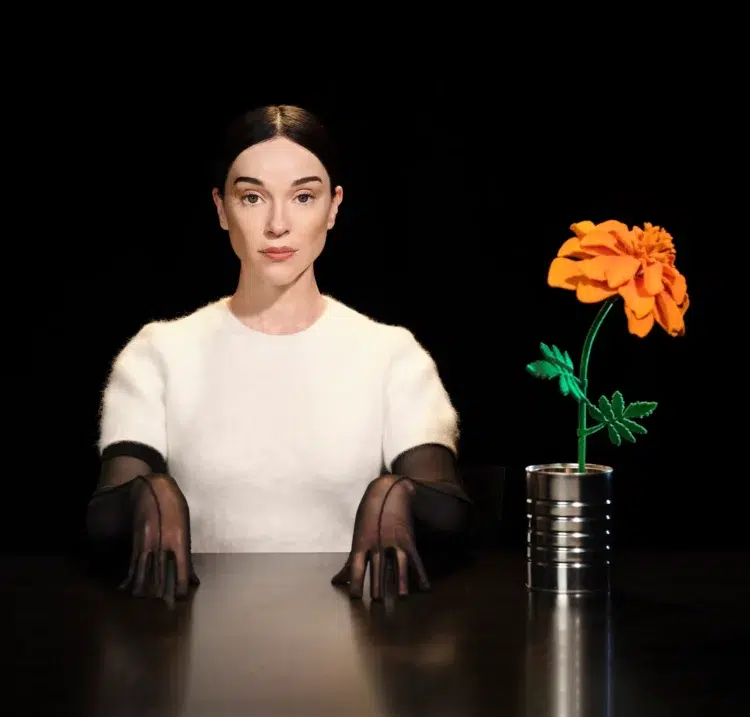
(268, 635)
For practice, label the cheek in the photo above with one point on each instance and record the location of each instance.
(248, 224)
(318, 223)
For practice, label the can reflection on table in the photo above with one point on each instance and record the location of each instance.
(569, 654)
(568, 538)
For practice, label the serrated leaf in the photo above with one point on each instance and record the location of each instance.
(547, 351)
(543, 369)
(618, 405)
(564, 385)
(615, 416)
(640, 409)
(605, 408)
(559, 356)
(634, 427)
(624, 431)
(555, 356)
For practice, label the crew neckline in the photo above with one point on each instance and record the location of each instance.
(239, 326)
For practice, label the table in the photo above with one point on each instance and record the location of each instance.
(268, 635)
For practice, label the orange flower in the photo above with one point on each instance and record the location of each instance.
(606, 259)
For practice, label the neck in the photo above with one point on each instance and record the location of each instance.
(277, 310)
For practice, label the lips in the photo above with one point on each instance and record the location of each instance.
(279, 250)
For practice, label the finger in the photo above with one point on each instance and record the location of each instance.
(125, 584)
(357, 575)
(402, 562)
(144, 576)
(377, 574)
(140, 581)
(193, 579)
(389, 584)
(170, 578)
(342, 576)
(416, 562)
(181, 566)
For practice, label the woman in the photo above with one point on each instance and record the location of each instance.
(277, 419)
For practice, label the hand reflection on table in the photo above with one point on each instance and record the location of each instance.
(443, 653)
(447, 653)
(568, 656)
(142, 658)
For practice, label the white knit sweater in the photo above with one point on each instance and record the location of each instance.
(274, 438)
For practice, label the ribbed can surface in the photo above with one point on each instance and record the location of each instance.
(568, 534)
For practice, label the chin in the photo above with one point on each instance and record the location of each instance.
(283, 275)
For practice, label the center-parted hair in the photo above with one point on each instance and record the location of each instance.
(263, 123)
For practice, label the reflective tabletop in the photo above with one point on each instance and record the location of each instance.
(268, 635)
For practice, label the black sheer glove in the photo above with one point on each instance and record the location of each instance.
(383, 533)
(422, 505)
(149, 512)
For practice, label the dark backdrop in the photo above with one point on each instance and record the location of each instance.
(456, 199)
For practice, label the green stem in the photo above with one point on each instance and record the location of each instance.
(583, 377)
(594, 429)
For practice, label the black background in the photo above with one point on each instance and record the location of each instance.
(457, 196)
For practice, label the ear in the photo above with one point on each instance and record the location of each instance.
(219, 202)
(338, 197)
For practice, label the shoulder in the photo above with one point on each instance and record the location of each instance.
(394, 340)
(159, 339)
(190, 326)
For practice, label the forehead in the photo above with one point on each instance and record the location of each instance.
(277, 159)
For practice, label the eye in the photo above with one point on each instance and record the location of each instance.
(306, 198)
(251, 199)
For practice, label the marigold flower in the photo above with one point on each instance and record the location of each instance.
(638, 264)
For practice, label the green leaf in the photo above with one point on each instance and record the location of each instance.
(543, 369)
(618, 404)
(558, 364)
(614, 436)
(618, 418)
(634, 427)
(640, 409)
(596, 414)
(606, 409)
(547, 351)
(563, 359)
(624, 431)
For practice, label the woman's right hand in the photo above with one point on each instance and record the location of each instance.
(161, 564)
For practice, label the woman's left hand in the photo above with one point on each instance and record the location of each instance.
(383, 533)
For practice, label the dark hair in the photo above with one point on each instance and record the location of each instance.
(263, 123)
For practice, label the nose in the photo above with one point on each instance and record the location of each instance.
(277, 221)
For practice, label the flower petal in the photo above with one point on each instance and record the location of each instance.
(652, 277)
(572, 247)
(596, 267)
(622, 270)
(637, 301)
(563, 273)
(675, 282)
(598, 240)
(668, 315)
(581, 229)
(684, 304)
(639, 326)
(590, 292)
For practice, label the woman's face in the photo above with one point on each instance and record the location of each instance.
(277, 208)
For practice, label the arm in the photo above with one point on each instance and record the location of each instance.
(136, 505)
(419, 505)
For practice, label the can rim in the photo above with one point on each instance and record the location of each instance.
(569, 470)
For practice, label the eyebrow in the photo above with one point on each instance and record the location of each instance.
(295, 183)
